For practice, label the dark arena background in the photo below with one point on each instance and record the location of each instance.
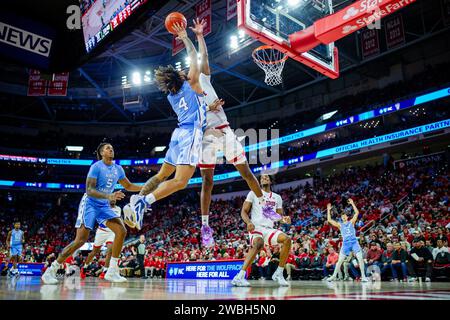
(346, 100)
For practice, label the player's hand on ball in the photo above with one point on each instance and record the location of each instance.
(181, 32)
(198, 26)
(250, 227)
(118, 195)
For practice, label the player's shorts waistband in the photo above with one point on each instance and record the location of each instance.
(222, 126)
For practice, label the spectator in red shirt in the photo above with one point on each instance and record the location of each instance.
(330, 264)
(290, 264)
(373, 256)
(262, 264)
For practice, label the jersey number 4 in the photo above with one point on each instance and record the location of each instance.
(182, 104)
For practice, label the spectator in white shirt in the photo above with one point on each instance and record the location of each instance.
(440, 248)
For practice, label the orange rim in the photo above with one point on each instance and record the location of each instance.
(264, 47)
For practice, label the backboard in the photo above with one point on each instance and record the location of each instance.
(273, 21)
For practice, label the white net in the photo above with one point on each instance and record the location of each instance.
(272, 62)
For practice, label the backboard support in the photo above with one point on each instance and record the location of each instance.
(273, 21)
(306, 29)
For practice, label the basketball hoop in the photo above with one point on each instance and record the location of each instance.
(271, 61)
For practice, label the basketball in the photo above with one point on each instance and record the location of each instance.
(175, 17)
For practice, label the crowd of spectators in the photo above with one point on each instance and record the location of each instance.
(399, 208)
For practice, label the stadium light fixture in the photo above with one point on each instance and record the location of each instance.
(234, 43)
(136, 78)
(328, 115)
(74, 148)
(159, 148)
(293, 3)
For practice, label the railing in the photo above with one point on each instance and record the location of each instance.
(397, 207)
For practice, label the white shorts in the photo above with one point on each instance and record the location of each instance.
(103, 237)
(224, 140)
(269, 235)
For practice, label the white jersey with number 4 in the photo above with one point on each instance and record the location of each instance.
(256, 215)
(213, 119)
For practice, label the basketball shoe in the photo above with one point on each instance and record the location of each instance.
(113, 275)
(240, 282)
(49, 276)
(207, 236)
(138, 205)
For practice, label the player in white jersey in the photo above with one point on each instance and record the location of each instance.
(260, 227)
(218, 136)
(103, 236)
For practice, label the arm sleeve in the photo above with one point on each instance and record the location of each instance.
(250, 197)
(93, 172)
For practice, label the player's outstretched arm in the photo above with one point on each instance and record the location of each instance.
(331, 221)
(245, 215)
(355, 216)
(202, 49)
(194, 70)
(92, 192)
(130, 186)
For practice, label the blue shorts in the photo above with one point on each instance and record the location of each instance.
(185, 147)
(90, 212)
(351, 246)
(15, 250)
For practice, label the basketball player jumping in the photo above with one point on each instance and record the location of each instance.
(103, 236)
(349, 240)
(95, 207)
(217, 137)
(261, 230)
(186, 98)
(14, 242)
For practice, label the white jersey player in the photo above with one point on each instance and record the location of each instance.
(218, 137)
(261, 231)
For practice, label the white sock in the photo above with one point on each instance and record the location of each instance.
(241, 274)
(114, 263)
(279, 270)
(205, 219)
(105, 269)
(150, 198)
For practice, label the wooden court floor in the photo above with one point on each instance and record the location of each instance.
(31, 288)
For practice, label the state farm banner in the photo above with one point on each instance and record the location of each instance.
(203, 11)
(446, 11)
(177, 45)
(231, 9)
(36, 85)
(370, 44)
(58, 86)
(395, 34)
